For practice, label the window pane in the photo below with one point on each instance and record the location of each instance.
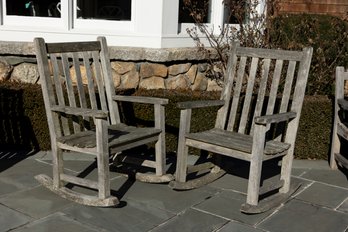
(104, 9)
(191, 11)
(235, 11)
(41, 8)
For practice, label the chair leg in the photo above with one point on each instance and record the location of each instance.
(286, 171)
(103, 176)
(256, 165)
(57, 162)
(254, 180)
(335, 146)
(102, 160)
(160, 144)
(181, 164)
(160, 155)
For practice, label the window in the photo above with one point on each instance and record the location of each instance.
(104, 9)
(69, 15)
(235, 11)
(201, 9)
(105, 15)
(35, 8)
(214, 13)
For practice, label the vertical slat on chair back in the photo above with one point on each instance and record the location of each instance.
(73, 74)
(262, 82)
(341, 85)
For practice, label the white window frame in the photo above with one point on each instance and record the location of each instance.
(67, 21)
(215, 18)
(35, 22)
(100, 24)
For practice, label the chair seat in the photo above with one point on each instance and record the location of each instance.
(118, 135)
(236, 141)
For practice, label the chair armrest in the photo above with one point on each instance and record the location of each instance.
(275, 118)
(200, 104)
(141, 99)
(80, 111)
(343, 103)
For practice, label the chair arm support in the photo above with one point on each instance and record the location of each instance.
(343, 103)
(200, 104)
(80, 111)
(275, 118)
(141, 99)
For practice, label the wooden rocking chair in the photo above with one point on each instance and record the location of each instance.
(83, 116)
(340, 126)
(261, 106)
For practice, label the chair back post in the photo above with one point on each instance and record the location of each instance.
(46, 83)
(109, 85)
(341, 76)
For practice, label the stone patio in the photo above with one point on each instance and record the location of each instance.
(320, 205)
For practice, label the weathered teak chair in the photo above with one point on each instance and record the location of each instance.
(73, 104)
(340, 126)
(263, 91)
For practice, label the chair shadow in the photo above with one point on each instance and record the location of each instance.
(9, 158)
(17, 137)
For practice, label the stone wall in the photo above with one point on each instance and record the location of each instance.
(141, 68)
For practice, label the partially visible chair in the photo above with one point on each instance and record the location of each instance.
(339, 151)
(261, 105)
(83, 117)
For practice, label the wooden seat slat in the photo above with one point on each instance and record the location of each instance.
(118, 135)
(236, 141)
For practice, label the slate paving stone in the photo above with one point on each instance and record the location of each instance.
(192, 221)
(21, 175)
(238, 227)
(57, 222)
(69, 155)
(325, 195)
(230, 182)
(160, 195)
(132, 217)
(298, 171)
(156, 207)
(36, 202)
(86, 168)
(344, 206)
(332, 177)
(10, 219)
(227, 204)
(301, 216)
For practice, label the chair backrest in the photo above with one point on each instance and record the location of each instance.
(262, 82)
(341, 85)
(76, 74)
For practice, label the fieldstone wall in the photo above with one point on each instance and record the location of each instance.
(132, 68)
(127, 75)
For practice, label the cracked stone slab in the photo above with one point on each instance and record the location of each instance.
(302, 216)
(57, 222)
(160, 195)
(192, 220)
(129, 216)
(36, 202)
(10, 219)
(238, 227)
(227, 205)
(324, 195)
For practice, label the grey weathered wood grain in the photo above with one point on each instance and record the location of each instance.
(262, 87)
(340, 124)
(109, 135)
